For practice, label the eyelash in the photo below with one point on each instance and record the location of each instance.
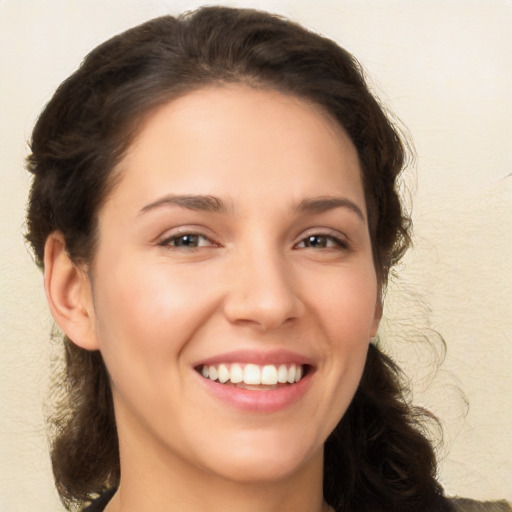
(336, 243)
(168, 242)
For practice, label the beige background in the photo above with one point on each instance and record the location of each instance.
(444, 68)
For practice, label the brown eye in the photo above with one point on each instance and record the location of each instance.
(321, 242)
(187, 241)
(316, 241)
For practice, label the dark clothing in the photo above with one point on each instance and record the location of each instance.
(465, 505)
(99, 504)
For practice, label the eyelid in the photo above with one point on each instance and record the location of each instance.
(165, 239)
(323, 231)
(337, 236)
(341, 239)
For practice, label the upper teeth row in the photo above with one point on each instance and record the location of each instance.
(253, 374)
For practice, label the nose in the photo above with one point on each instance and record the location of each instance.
(262, 291)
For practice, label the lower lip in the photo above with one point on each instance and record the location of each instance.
(263, 401)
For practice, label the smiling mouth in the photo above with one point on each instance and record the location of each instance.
(253, 376)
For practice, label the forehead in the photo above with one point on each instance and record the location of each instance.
(237, 138)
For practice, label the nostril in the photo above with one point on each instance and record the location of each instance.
(262, 294)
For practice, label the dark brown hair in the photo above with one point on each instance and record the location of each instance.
(377, 458)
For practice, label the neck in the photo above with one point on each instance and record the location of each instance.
(256, 498)
(160, 484)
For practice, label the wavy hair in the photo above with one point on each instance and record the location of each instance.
(377, 458)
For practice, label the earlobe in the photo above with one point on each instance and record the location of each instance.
(68, 291)
(377, 317)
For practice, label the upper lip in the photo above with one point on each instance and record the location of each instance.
(258, 357)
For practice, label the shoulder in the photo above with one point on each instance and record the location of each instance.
(466, 505)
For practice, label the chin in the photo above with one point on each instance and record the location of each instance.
(271, 459)
(268, 470)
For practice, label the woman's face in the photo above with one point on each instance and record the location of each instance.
(235, 248)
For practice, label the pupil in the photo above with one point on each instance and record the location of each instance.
(316, 241)
(187, 240)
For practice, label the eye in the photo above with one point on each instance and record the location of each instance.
(319, 241)
(187, 241)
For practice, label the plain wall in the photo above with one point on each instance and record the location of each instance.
(444, 68)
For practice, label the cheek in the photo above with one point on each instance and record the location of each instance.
(147, 311)
(347, 313)
(348, 306)
(147, 315)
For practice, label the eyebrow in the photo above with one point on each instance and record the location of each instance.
(325, 203)
(192, 202)
(208, 203)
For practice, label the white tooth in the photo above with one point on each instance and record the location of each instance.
(223, 373)
(291, 374)
(204, 371)
(269, 375)
(236, 374)
(252, 374)
(282, 374)
(212, 373)
(298, 375)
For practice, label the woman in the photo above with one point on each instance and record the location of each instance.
(215, 209)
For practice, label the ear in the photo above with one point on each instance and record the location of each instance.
(69, 294)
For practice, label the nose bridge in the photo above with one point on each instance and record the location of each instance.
(262, 289)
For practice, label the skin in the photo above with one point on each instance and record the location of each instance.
(255, 281)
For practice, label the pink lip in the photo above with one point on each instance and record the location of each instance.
(264, 401)
(259, 401)
(257, 357)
